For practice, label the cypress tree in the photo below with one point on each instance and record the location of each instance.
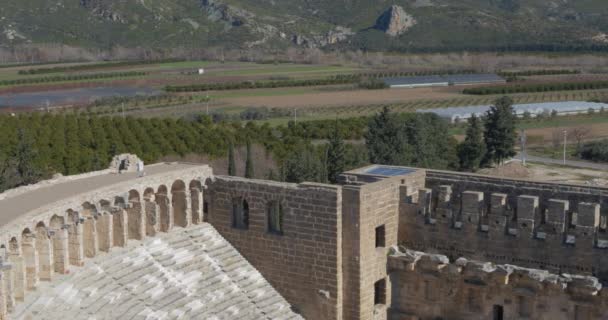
(336, 151)
(500, 135)
(231, 163)
(473, 149)
(249, 162)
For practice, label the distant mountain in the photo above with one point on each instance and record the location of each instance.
(398, 25)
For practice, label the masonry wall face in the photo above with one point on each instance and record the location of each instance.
(365, 208)
(304, 262)
(429, 287)
(536, 225)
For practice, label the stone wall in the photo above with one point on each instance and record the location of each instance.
(427, 286)
(561, 228)
(370, 222)
(303, 261)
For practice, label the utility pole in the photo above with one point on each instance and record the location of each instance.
(524, 153)
(565, 143)
(207, 100)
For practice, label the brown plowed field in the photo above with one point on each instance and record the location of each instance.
(342, 98)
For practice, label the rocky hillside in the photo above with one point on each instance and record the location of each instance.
(398, 25)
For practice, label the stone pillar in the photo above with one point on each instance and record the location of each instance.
(556, 216)
(7, 283)
(527, 207)
(105, 232)
(5, 294)
(30, 256)
(196, 197)
(444, 212)
(188, 209)
(91, 245)
(119, 224)
(60, 250)
(17, 272)
(45, 254)
(76, 244)
(472, 204)
(136, 221)
(152, 218)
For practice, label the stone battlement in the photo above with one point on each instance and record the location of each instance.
(429, 285)
(561, 228)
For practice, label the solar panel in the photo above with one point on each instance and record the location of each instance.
(389, 171)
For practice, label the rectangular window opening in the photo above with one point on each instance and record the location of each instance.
(380, 237)
(380, 292)
(499, 312)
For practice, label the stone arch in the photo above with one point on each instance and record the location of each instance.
(30, 258)
(88, 210)
(196, 200)
(151, 213)
(179, 202)
(136, 218)
(45, 252)
(60, 244)
(166, 216)
(120, 202)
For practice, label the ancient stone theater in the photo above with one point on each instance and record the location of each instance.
(386, 243)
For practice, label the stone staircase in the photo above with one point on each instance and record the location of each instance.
(190, 273)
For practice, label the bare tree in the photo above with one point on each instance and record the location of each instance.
(579, 134)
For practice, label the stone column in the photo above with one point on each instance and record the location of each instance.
(119, 224)
(136, 221)
(7, 283)
(45, 254)
(188, 209)
(152, 218)
(30, 257)
(76, 244)
(17, 272)
(105, 232)
(527, 207)
(196, 197)
(5, 294)
(60, 250)
(472, 204)
(91, 245)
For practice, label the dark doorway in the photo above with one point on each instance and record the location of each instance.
(498, 312)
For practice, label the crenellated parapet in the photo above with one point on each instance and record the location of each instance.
(560, 228)
(429, 286)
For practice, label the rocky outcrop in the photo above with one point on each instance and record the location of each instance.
(102, 9)
(217, 11)
(395, 21)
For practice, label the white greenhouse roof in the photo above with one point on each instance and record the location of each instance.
(454, 113)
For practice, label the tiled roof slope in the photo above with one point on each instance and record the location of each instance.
(191, 273)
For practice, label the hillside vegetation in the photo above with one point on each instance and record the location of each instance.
(409, 25)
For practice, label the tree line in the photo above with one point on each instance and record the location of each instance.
(541, 87)
(594, 151)
(35, 146)
(538, 72)
(339, 79)
(76, 77)
(92, 66)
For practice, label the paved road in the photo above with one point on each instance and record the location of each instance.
(11, 208)
(570, 163)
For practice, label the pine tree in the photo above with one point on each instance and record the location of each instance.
(25, 159)
(500, 135)
(249, 162)
(386, 140)
(473, 149)
(336, 151)
(231, 162)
